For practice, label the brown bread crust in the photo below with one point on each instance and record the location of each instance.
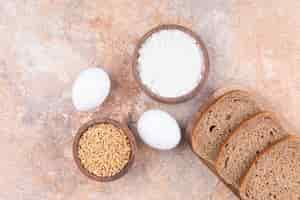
(291, 195)
(264, 129)
(194, 127)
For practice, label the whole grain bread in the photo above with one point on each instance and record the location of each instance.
(218, 120)
(245, 143)
(275, 174)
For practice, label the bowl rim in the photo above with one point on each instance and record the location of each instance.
(92, 123)
(187, 96)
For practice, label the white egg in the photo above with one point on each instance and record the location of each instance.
(159, 130)
(90, 89)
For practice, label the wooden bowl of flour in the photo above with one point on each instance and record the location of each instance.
(151, 54)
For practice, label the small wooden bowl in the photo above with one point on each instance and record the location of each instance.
(171, 100)
(126, 131)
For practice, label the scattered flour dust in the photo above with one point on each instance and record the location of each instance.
(170, 63)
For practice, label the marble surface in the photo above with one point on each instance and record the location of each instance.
(45, 43)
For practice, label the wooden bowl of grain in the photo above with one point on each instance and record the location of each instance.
(204, 66)
(104, 149)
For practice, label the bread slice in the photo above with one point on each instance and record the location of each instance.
(218, 120)
(245, 143)
(275, 174)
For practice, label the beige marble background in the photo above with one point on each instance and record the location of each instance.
(45, 43)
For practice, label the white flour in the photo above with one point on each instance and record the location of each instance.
(170, 63)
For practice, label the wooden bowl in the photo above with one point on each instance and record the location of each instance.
(126, 131)
(171, 100)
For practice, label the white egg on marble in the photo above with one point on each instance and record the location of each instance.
(90, 89)
(159, 129)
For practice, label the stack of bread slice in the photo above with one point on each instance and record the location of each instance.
(247, 148)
